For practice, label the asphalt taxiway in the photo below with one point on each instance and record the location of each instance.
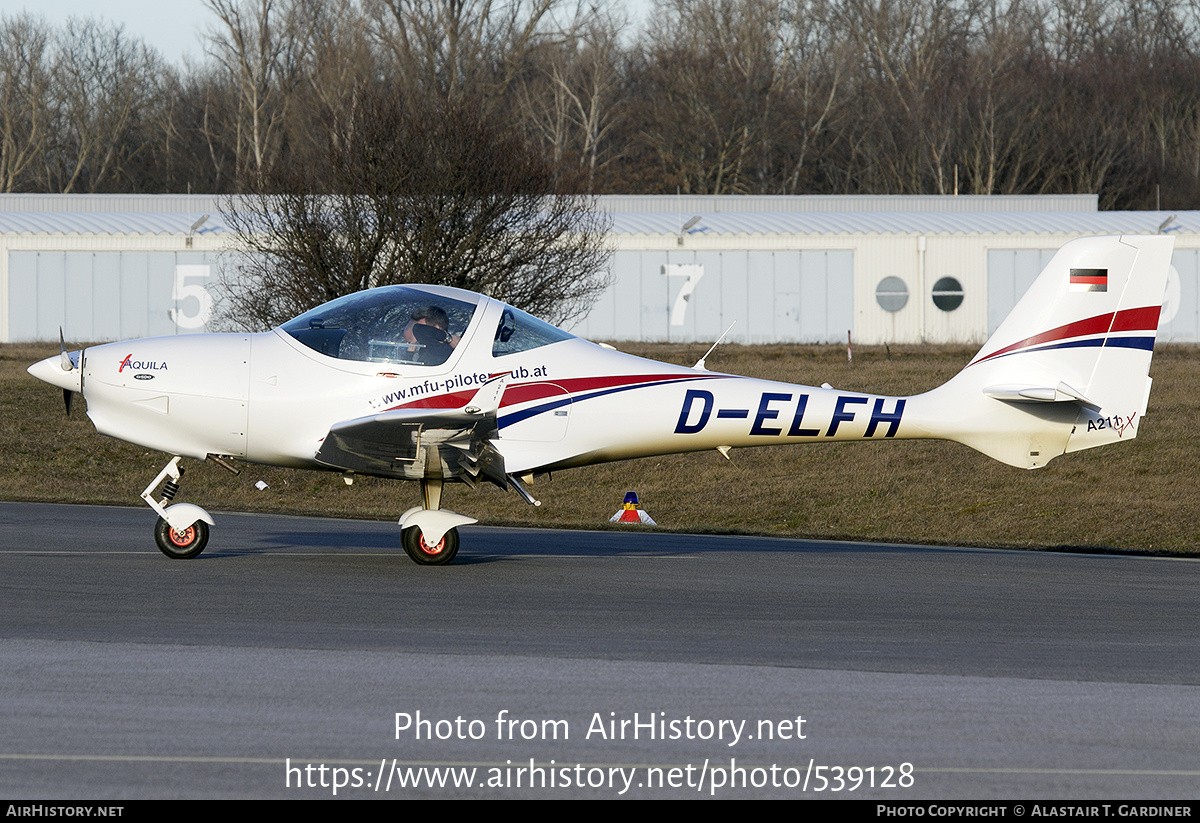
(296, 642)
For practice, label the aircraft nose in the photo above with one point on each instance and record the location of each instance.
(51, 371)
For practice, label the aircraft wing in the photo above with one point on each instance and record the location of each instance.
(423, 443)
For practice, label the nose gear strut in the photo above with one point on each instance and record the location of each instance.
(182, 529)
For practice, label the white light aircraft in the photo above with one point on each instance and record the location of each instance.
(439, 385)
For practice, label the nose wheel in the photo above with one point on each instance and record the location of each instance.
(181, 544)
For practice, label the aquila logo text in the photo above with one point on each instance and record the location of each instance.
(141, 365)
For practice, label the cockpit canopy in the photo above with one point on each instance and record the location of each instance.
(377, 326)
(518, 332)
(412, 326)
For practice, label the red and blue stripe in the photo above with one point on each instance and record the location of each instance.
(1094, 332)
(576, 389)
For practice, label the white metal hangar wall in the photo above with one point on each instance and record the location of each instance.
(946, 272)
(107, 267)
(786, 269)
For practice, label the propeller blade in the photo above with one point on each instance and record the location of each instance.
(64, 358)
(67, 395)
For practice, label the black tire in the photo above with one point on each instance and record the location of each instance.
(181, 545)
(425, 555)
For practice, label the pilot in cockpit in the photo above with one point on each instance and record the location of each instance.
(428, 332)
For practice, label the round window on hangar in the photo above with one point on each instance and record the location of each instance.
(947, 294)
(891, 294)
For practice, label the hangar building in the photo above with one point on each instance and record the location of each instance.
(885, 269)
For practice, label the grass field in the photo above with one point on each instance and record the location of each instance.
(1140, 497)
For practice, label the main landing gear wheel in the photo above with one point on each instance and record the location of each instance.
(182, 545)
(424, 554)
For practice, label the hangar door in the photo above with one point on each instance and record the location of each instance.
(108, 295)
(683, 296)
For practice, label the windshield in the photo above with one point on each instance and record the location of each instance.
(392, 324)
(518, 332)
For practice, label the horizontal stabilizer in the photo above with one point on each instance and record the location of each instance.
(1062, 393)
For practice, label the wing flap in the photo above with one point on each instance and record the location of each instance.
(422, 443)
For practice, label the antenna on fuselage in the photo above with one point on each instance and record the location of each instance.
(700, 363)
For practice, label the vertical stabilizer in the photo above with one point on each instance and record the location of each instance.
(1068, 368)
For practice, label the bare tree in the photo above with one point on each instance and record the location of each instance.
(339, 62)
(766, 96)
(459, 49)
(573, 102)
(735, 93)
(914, 54)
(103, 82)
(711, 76)
(818, 62)
(25, 82)
(417, 191)
(175, 151)
(257, 46)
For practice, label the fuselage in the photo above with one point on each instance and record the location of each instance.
(270, 398)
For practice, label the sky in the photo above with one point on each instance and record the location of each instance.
(171, 26)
